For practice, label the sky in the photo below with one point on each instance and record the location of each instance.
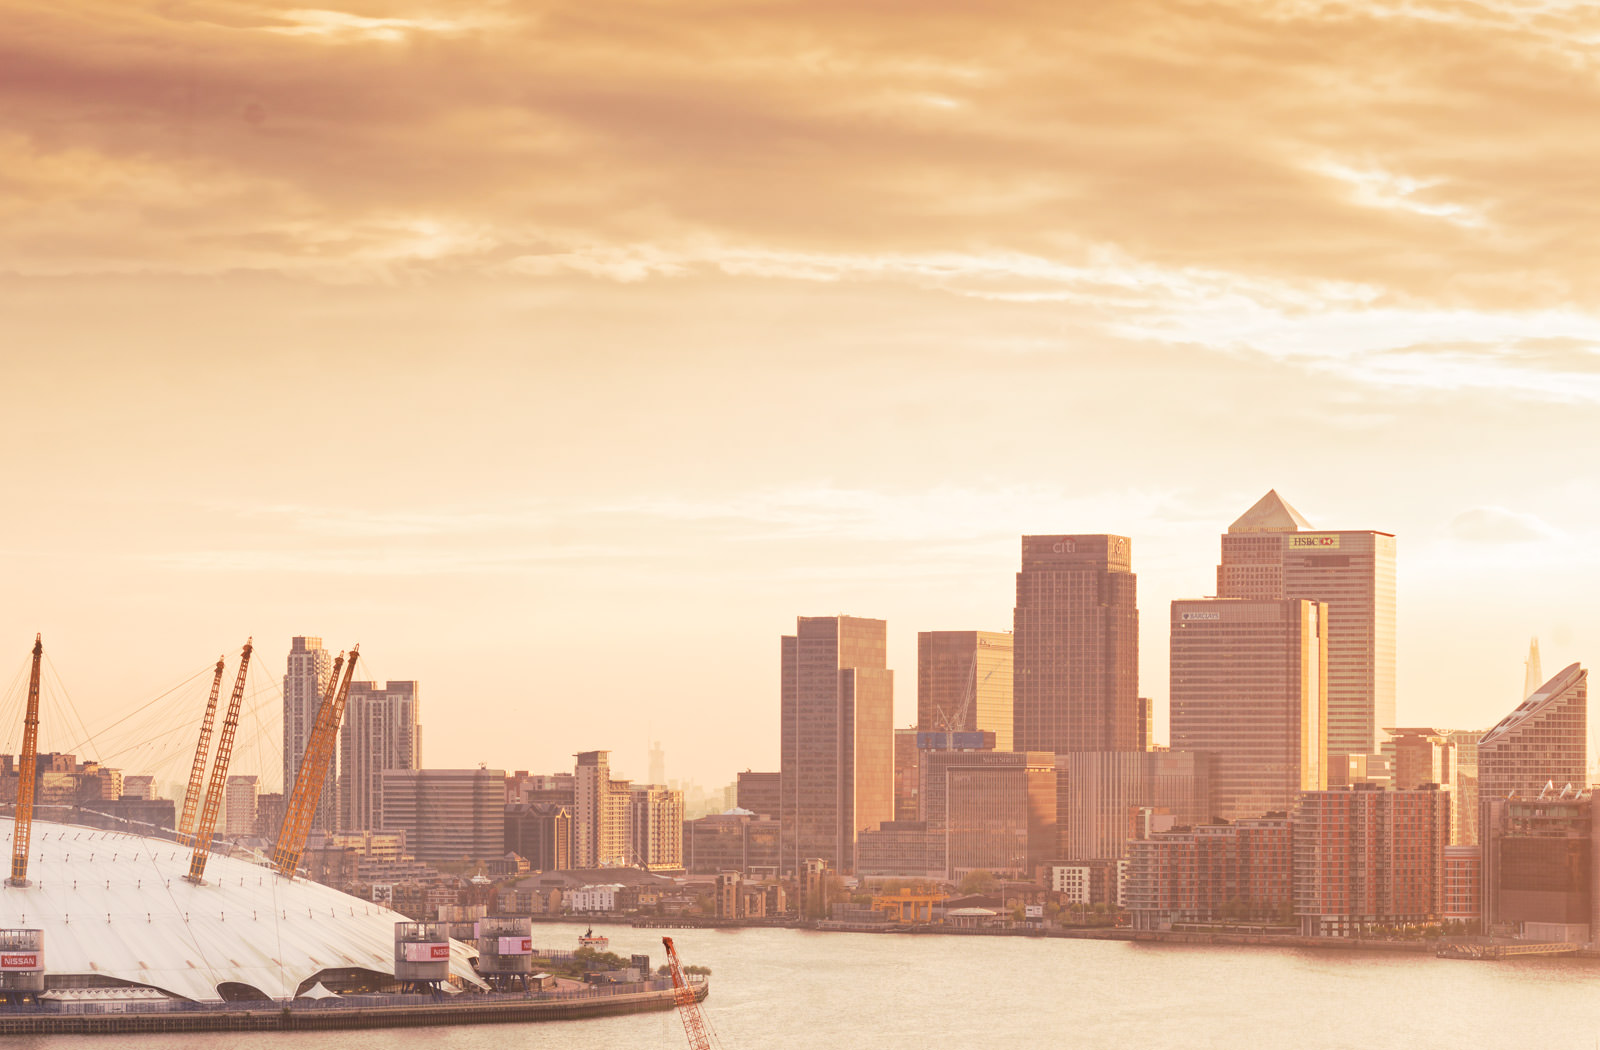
(562, 354)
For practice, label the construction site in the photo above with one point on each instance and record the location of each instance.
(114, 931)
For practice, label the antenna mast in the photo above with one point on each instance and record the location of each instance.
(197, 773)
(22, 837)
(219, 775)
(313, 769)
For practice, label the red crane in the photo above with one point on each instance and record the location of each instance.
(694, 1022)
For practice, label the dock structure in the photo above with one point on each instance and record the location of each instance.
(1505, 951)
(408, 1011)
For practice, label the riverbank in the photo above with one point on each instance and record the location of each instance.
(1095, 933)
(328, 1015)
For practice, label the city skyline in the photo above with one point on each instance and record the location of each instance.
(263, 699)
(508, 341)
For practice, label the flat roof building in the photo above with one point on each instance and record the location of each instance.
(381, 731)
(1365, 857)
(990, 810)
(836, 738)
(448, 815)
(1100, 796)
(1076, 646)
(964, 683)
(1249, 687)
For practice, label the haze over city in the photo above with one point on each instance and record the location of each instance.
(562, 356)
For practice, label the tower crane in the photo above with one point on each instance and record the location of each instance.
(22, 836)
(219, 774)
(694, 1022)
(956, 723)
(197, 773)
(307, 792)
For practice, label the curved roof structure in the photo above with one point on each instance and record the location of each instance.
(117, 905)
(1545, 697)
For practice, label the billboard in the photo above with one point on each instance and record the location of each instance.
(426, 951)
(516, 946)
(13, 962)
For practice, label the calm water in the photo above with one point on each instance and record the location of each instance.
(794, 990)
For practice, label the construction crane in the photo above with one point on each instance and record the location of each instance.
(197, 773)
(219, 775)
(694, 1022)
(947, 723)
(22, 836)
(307, 792)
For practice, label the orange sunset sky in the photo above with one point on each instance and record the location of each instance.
(562, 354)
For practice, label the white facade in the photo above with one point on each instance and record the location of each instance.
(239, 806)
(594, 898)
(114, 905)
(1072, 881)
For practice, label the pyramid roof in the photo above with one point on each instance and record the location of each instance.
(1271, 513)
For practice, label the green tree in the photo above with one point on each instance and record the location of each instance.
(979, 881)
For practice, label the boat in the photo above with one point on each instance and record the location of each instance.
(589, 940)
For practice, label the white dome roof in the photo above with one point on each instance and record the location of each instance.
(118, 905)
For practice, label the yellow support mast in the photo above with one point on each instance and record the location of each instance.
(307, 793)
(219, 775)
(197, 773)
(22, 837)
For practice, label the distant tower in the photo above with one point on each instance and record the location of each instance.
(1532, 677)
(303, 681)
(658, 764)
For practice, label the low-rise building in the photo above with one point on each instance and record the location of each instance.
(1241, 871)
(596, 898)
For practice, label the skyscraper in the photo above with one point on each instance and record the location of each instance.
(837, 738)
(381, 732)
(1543, 741)
(1076, 646)
(1249, 685)
(655, 827)
(239, 805)
(303, 682)
(599, 813)
(1271, 552)
(964, 683)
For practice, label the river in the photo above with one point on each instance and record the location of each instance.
(799, 990)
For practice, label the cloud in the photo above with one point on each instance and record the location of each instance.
(1497, 525)
(1397, 192)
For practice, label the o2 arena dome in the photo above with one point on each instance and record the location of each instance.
(116, 909)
